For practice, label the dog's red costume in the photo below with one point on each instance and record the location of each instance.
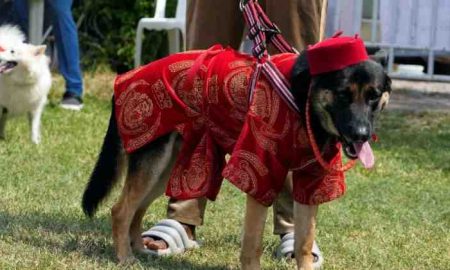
(203, 95)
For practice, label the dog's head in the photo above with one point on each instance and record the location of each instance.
(19, 60)
(21, 57)
(346, 101)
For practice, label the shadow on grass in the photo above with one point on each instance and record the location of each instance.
(91, 238)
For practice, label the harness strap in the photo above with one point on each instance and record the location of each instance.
(261, 28)
(263, 31)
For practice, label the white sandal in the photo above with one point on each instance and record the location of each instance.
(286, 250)
(174, 234)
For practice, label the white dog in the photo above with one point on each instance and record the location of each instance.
(25, 79)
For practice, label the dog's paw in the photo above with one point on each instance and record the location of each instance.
(127, 261)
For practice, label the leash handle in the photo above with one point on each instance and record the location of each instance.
(262, 30)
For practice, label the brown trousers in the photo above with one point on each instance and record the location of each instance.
(220, 21)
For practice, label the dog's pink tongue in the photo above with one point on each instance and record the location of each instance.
(365, 154)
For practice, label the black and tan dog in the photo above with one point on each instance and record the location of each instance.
(344, 105)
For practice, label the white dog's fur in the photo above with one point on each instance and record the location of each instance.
(25, 86)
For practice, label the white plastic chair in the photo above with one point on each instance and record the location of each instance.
(159, 22)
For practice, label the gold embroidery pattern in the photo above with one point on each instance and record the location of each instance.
(254, 161)
(146, 137)
(268, 197)
(161, 96)
(240, 63)
(244, 174)
(182, 65)
(213, 89)
(329, 189)
(136, 108)
(236, 88)
(194, 179)
(266, 104)
(126, 76)
(123, 96)
(266, 137)
(192, 97)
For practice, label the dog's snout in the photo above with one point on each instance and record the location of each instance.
(360, 134)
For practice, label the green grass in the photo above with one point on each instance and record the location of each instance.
(396, 216)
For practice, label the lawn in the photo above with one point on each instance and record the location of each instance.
(396, 216)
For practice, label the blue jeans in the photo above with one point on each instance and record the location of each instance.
(66, 36)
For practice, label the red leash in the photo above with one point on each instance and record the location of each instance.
(327, 166)
(261, 32)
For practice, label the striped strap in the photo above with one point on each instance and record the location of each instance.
(262, 29)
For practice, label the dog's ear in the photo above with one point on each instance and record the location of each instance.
(39, 50)
(384, 100)
(387, 83)
(300, 77)
(379, 56)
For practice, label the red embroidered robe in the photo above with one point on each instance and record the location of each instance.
(203, 95)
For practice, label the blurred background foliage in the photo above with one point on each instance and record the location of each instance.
(107, 31)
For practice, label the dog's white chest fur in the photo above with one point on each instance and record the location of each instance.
(27, 96)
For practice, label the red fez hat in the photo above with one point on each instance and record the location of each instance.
(336, 53)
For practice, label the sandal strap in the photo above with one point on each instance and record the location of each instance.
(169, 231)
(172, 246)
(187, 243)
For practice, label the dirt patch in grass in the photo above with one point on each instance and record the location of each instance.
(412, 96)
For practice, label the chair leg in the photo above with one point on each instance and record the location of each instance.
(183, 39)
(138, 48)
(174, 41)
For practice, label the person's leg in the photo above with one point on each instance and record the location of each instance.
(67, 45)
(21, 12)
(283, 215)
(207, 23)
(189, 213)
(298, 20)
(213, 22)
(309, 13)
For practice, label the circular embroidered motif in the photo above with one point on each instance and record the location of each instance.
(136, 108)
(236, 88)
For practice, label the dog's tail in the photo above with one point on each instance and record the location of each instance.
(107, 171)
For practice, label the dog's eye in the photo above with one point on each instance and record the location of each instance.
(12, 51)
(373, 94)
(345, 96)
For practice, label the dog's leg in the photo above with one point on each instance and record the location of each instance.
(160, 171)
(3, 118)
(251, 246)
(138, 192)
(35, 123)
(305, 225)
